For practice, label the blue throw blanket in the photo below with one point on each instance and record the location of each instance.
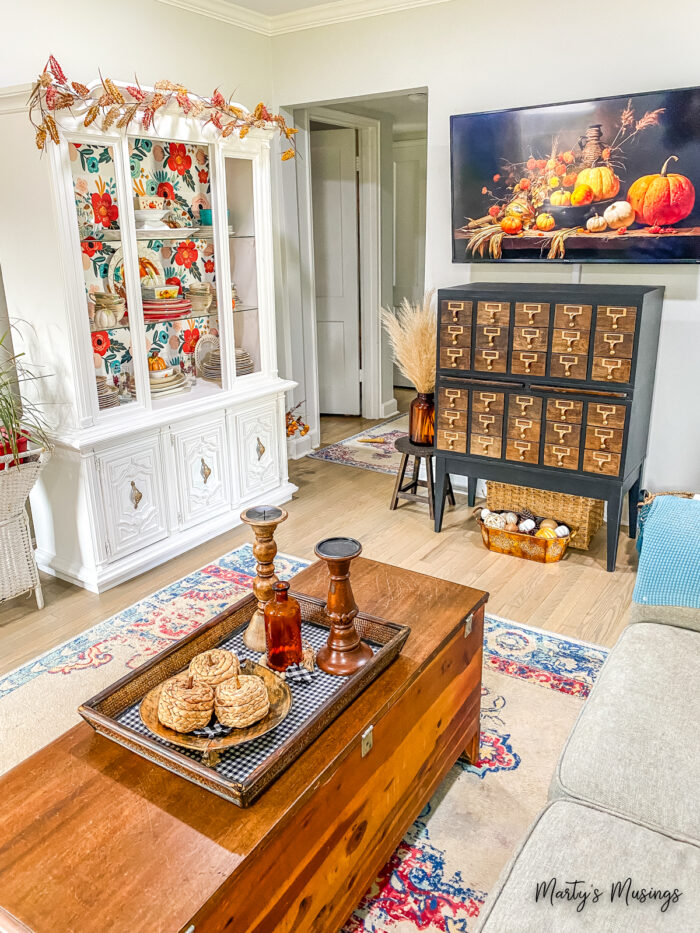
(669, 545)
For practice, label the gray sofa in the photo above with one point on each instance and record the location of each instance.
(623, 819)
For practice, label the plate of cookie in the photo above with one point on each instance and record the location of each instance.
(215, 703)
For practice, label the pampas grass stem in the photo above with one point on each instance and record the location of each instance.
(412, 332)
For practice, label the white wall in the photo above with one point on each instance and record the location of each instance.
(476, 56)
(134, 37)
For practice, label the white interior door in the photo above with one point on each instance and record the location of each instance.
(410, 170)
(334, 198)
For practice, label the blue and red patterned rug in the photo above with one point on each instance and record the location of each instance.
(436, 881)
(379, 455)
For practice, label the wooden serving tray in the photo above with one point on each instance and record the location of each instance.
(243, 772)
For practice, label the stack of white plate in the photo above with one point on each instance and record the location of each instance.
(244, 362)
(107, 394)
(168, 382)
(211, 367)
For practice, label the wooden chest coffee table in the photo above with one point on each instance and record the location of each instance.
(95, 838)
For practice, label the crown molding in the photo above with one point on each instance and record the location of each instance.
(15, 98)
(313, 17)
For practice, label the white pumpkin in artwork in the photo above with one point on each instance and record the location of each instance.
(596, 224)
(619, 214)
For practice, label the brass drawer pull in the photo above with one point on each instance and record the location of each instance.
(615, 314)
(570, 336)
(560, 453)
(492, 310)
(490, 356)
(568, 362)
(135, 495)
(605, 411)
(524, 401)
(523, 424)
(531, 311)
(612, 340)
(205, 470)
(522, 448)
(454, 355)
(603, 436)
(487, 399)
(451, 438)
(455, 332)
(453, 394)
(486, 422)
(572, 311)
(528, 359)
(492, 332)
(601, 458)
(259, 448)
(562, 430)
(611, 366)
(452, 416)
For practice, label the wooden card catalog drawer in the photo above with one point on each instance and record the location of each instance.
(488, 401)
(568, 365)
(530, 338)
(485, 446)
(524, 451)
(455, 335)
(452, 440)
(568, 435)
(525, 406)
(490, 361)
(528, 363)
(607, 416)
(455, 312)
(452, 399)
(599, 438)
(558, 455)
(524, 429)
(454, 357)
(564, 409)
(493, 312)
(531, 313)
(492, 336)
(611, 369)
(613, 317)
(569, 341)
(450, 419)
(573, 317)
(600, 461)
(487, 423)
(614, 343)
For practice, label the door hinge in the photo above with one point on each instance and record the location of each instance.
(468, 622)
(357, 164)
(367, 741)
(361, 376)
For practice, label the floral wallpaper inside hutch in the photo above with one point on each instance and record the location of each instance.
(178, 172)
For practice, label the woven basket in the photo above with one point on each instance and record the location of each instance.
(582, 515)
(18, 570)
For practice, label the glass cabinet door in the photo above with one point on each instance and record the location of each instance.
(171, 186)
(244, 271)
(99, 219)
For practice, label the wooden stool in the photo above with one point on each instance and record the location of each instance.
(409, 490)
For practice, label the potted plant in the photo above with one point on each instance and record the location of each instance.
(412, 332)
(24, 449)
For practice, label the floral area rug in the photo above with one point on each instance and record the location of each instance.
(436, 881)
(381, 457)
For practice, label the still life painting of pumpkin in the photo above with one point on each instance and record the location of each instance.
(607, 180)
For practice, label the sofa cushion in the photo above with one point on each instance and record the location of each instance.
(572, 842)
(668, 565)
(634, 747)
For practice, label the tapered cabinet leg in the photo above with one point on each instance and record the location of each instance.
(471, 490)
(440, 490)
(632, 502)
(614, 515)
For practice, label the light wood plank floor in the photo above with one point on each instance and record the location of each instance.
(576, 597)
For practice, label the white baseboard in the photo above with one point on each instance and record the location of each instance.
(298, 447)
(389, 408)
(105, 576)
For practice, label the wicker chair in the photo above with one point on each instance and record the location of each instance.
(18, 570)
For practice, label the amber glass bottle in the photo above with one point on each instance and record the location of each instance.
(282, 629)
(421, 419)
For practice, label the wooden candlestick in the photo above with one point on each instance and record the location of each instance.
(263, 519)
(344, 652)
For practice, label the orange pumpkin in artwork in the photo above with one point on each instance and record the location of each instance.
(582, 194)
(545, 222)
(511, 225)
(662, 199)
(602, 180)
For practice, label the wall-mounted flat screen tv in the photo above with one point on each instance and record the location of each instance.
(607, 180)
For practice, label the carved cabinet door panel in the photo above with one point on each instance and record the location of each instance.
(258, 457)
(132, 486)
(202, 466)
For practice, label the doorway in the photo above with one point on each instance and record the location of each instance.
(354, 240)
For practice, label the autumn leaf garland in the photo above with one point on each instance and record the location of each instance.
(119, 107)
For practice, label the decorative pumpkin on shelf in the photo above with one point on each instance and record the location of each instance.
(602, 181)
(545, 532)
(545, 222)
(511, 225)
(619, 214)
(662, 199)
(560, 198)
(596, 224)
(156, 364)
(582, 194)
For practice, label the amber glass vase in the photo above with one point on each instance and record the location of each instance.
(282, 629)
(421, 419)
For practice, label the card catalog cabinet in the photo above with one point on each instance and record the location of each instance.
(547, 386)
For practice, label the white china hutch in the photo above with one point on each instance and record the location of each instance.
(144, 469)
